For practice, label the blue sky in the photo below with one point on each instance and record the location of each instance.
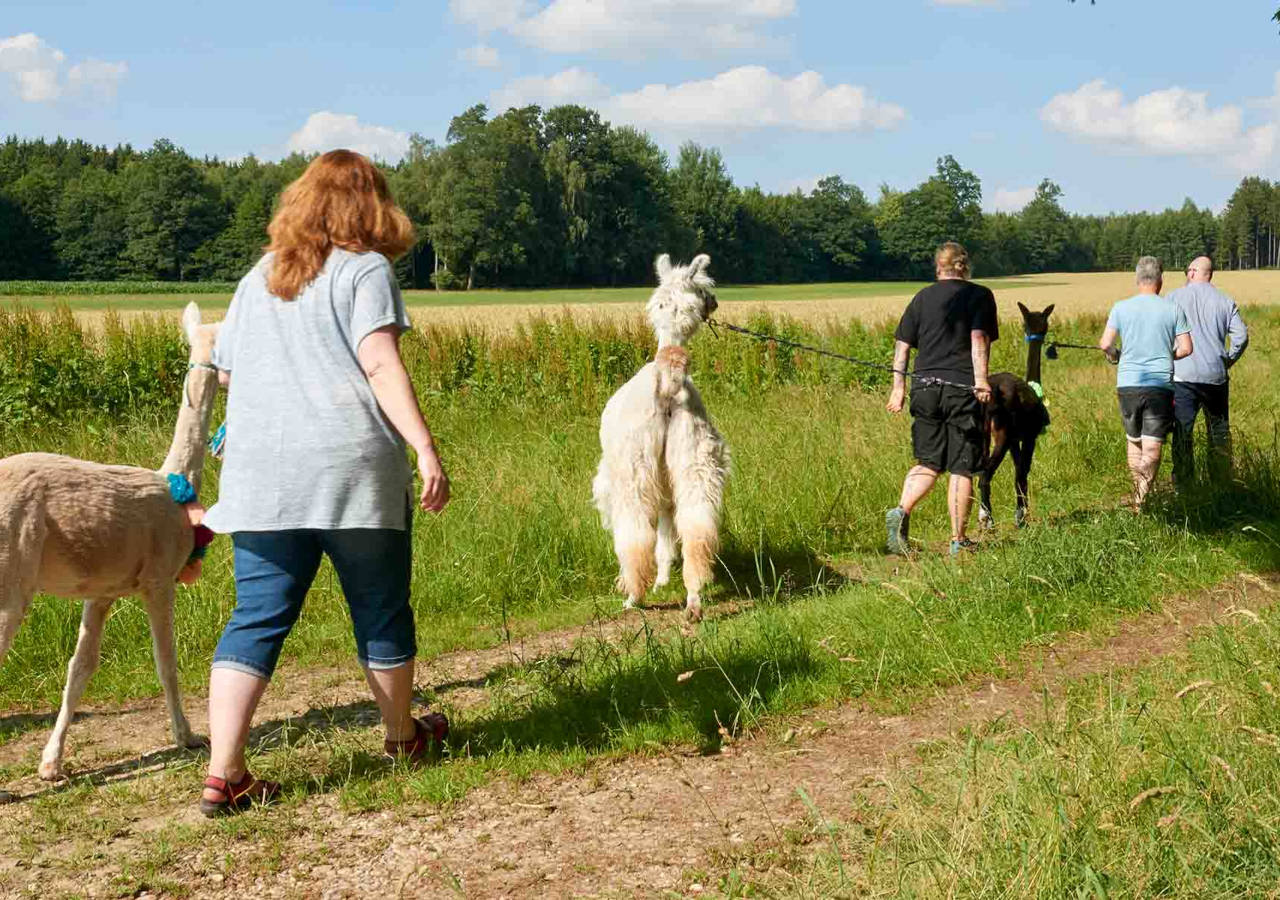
(1129, 104)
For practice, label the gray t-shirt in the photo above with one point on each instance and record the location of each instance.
(1215, 321)
(307, 445)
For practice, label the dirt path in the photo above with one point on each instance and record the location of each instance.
(636, 826)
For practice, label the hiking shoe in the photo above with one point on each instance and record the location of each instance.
(962, 545)
(898, 525)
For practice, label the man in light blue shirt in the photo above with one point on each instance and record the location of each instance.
(1201, 380)
(1153, 333)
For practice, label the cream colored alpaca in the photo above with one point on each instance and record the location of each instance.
(663, 464)
(97, 532)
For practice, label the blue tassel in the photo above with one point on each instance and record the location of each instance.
(180, 489)
(218, 443)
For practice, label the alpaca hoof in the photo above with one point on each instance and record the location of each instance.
(660, 582)
(985, 519)
(1020, 518)
(52, 770)
(195, 742)
(693, 611)
(629, 603)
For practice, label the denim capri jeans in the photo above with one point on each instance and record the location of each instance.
(274, 571)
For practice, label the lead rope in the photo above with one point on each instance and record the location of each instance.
(922, 379)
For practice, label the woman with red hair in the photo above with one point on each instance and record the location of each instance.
(320, 409)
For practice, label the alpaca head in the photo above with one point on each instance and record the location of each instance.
(202, 380)
(200, 338)
(684, 298)
(1035, 323)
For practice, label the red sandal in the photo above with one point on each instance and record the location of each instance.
(235, 797)
(428, 739)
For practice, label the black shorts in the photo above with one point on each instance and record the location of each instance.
(946, 429)
(1146, 412)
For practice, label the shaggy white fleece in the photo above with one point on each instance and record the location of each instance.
(663, 465)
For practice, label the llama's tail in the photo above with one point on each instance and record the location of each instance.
(673, 366)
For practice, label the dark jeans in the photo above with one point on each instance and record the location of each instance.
(274, 571)
(1188, 399)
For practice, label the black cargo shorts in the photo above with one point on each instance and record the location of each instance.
(946, 429)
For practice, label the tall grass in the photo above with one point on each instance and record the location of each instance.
(816, 462)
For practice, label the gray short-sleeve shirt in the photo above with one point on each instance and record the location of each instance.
(307, 445)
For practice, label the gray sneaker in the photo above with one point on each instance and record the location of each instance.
(898, 525)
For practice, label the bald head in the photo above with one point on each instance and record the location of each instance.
(1200, 269)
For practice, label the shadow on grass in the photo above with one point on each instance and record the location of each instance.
(18, 724)
(116, 773)
(1246, 500)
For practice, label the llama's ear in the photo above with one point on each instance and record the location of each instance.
(699, 264)
(662, 265)
(191, 322)
(1048, 309)
(1023, 309)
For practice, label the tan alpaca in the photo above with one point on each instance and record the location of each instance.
(83, 529)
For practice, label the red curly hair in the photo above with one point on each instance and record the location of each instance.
(341, 200)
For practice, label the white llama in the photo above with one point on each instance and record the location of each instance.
(83, 529)
(663, 464)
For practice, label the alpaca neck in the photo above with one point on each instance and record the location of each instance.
(1033, 360)
(186, 453)
(670, 339)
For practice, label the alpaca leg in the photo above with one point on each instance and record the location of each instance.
(1000, 446)
(1021, 474)
(160, 613)
(13, 607)
(83, 664)
(700, 542)
(666, 552)
(634, 541)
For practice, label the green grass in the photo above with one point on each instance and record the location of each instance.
(816, 461)
(110, 288)
(1120, 788)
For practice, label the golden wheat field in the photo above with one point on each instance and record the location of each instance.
(1073, 294)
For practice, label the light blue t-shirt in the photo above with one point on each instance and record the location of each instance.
(307, 444)
(1148, 325)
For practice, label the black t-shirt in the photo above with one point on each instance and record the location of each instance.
(938, 321)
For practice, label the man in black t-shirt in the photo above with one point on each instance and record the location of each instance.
(951, 324)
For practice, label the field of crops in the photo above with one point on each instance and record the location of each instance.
(807, 613)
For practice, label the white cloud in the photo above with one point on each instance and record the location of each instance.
(489, 15)
(1010, 199)
(36, 70)
(482, 56)
(746, 98)
(1169, 122)
(96, 77)
(328, 131)
(629, 28)
(570, 86)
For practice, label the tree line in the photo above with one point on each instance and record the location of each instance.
(536, 197)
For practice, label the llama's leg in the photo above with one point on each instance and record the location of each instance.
(14, 602)
(83, 663)
(1021, 474)
(999, 447)
(160, 613)
(634, 541)
(698, 525)
(666, 552)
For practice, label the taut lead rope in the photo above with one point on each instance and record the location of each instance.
(760, 336)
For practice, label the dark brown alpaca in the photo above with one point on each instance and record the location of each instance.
(1015, 419)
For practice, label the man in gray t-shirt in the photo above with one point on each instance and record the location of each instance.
(1201, 381)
